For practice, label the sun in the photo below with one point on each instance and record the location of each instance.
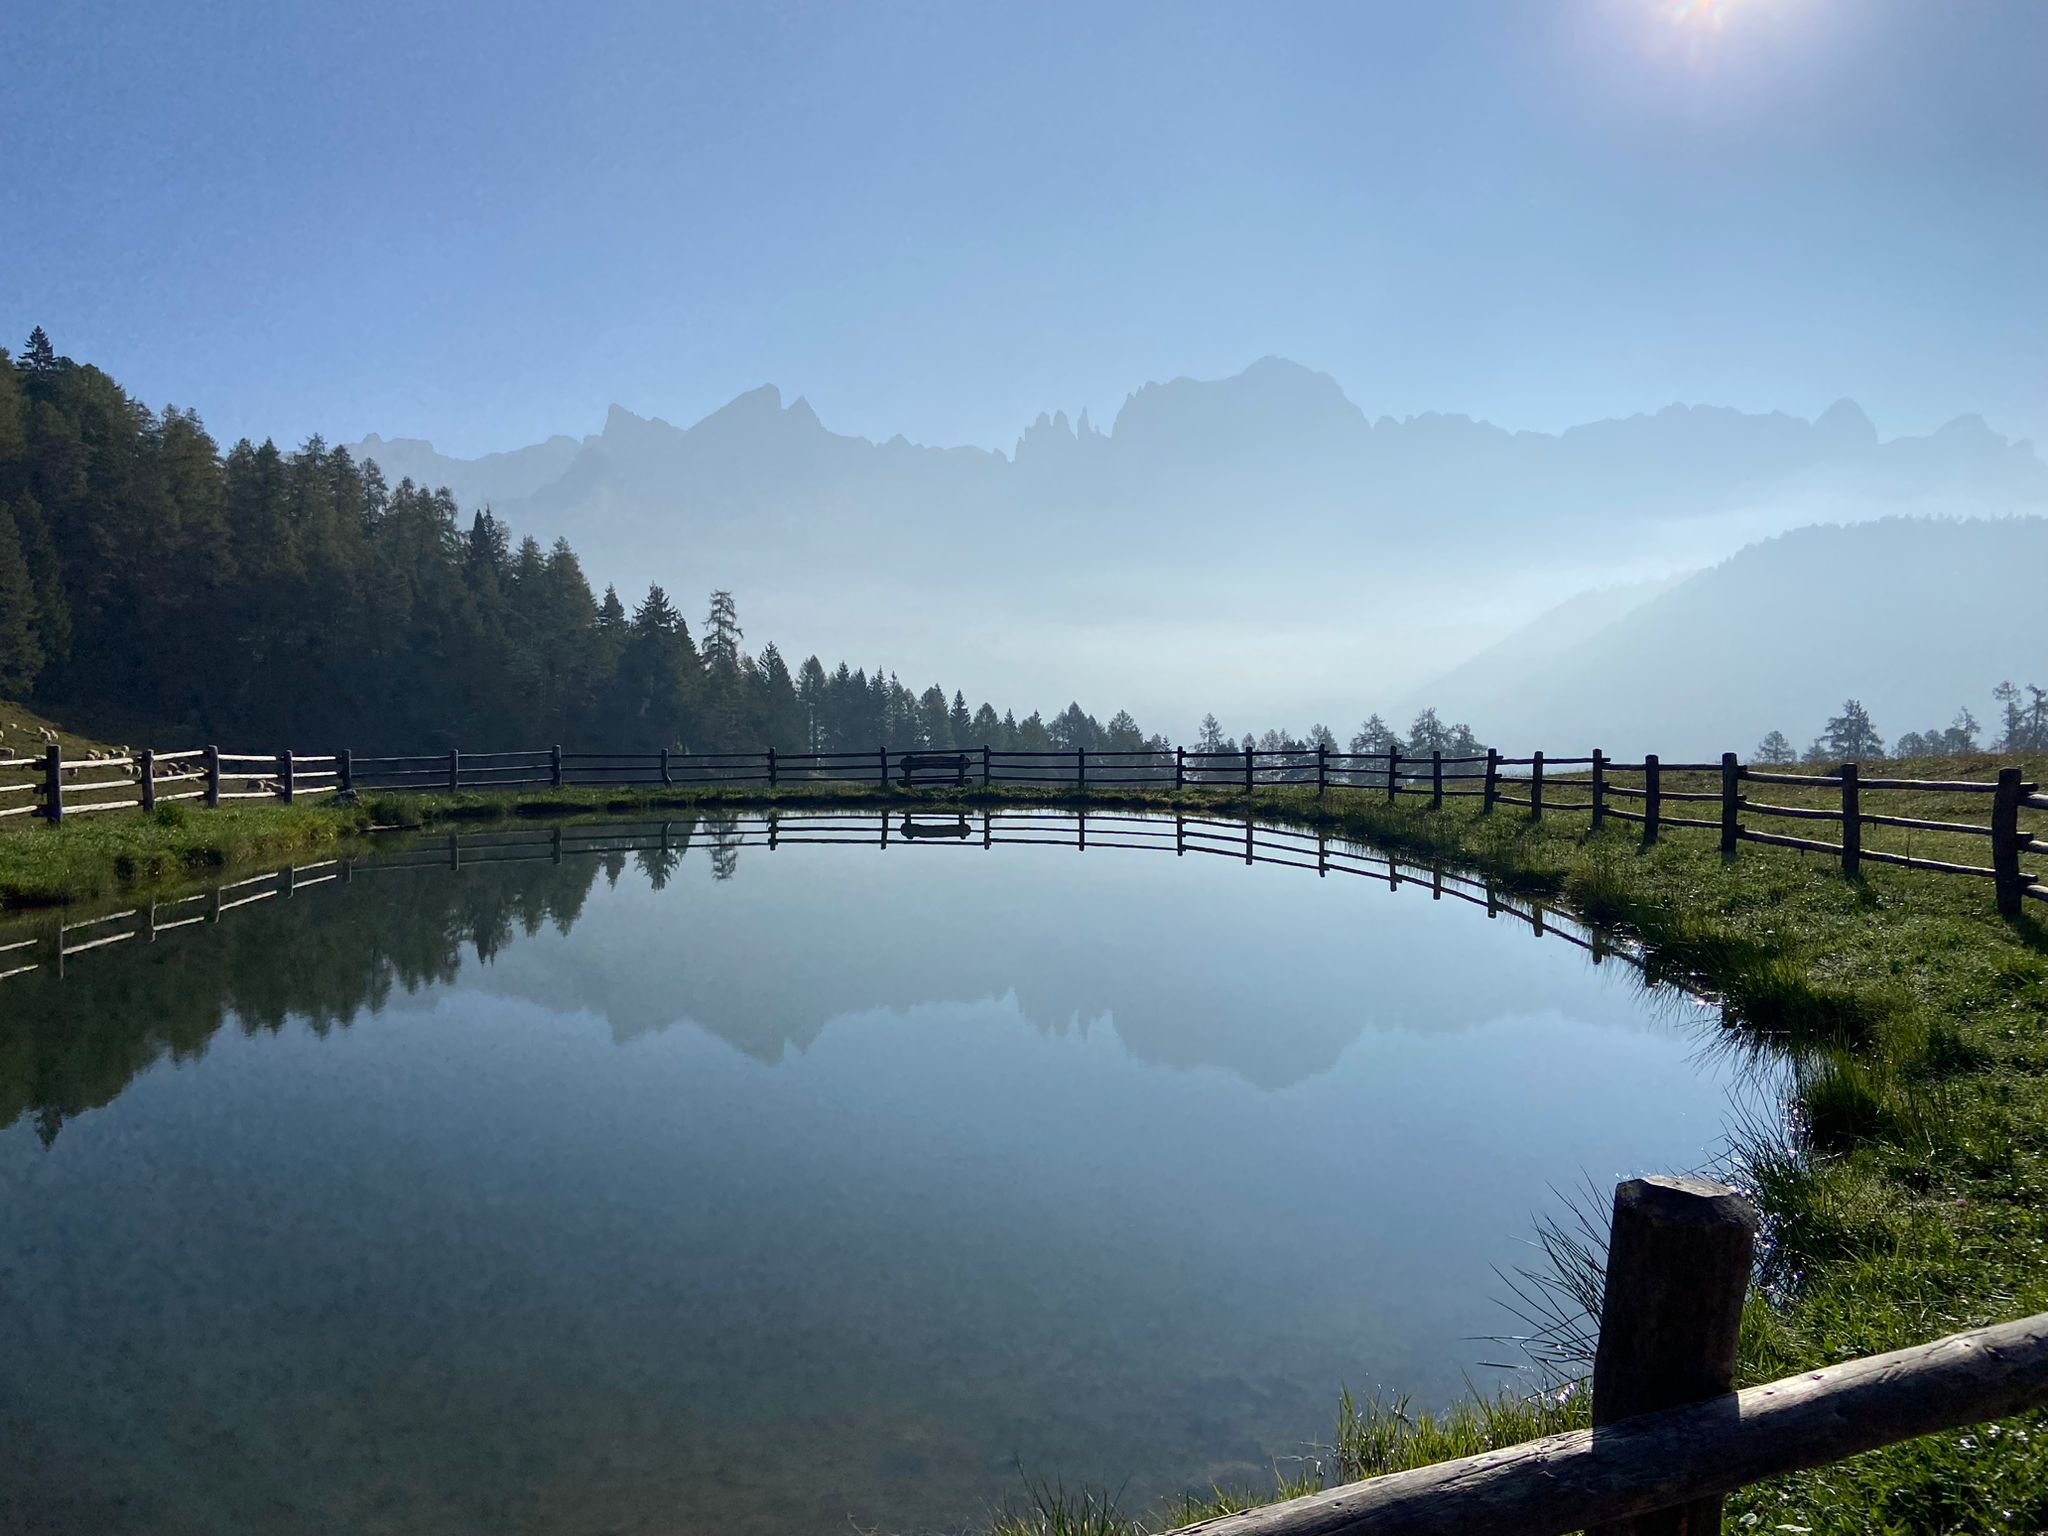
(1700, 15)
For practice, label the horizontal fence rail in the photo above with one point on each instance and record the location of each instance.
(1670, 1434)
(1739, 803)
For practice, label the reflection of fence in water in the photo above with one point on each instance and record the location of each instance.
(665, 842)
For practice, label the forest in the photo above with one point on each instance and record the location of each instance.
(155, 588)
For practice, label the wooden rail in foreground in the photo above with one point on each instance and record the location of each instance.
(1725, 797)
(1669, 1438)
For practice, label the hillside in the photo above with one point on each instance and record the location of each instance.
(1913, 616)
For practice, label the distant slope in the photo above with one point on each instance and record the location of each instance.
(1913, 616)
(1514, 664)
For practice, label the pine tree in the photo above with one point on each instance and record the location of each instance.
(1850, 736)
(21, 651)
(52, 607)
(38, 358)
(1774, 748)
(722, 634)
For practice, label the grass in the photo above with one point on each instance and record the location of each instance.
(1906, 1198)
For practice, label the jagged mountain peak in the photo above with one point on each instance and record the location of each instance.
(1845, 422)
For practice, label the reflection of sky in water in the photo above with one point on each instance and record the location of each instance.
(1111, 1163)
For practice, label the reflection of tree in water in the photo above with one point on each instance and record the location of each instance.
(725, 846)
(72, 1044)
(660, 861)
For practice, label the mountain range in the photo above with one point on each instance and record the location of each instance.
(1254, 545)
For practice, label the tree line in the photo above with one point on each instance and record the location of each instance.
(1852, 736)
(152, 585)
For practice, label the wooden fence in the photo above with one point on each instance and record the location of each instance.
(1670, 1434)
(1725, 797)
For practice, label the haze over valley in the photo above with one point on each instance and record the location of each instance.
(1257, 547)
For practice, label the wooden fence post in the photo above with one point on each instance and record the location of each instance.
(1492, 785)
(345, 771)
(984, 767)
(284, 775)
(1731, 800)
(146, 770)
(1393, 773)
(212, 761)
(1653, 796)
(2005, 840)
(665, 779)
(1678, 1266)
(1180, 769)
(882, 770)
(1322, 768)
(1536, 786)
(555, 766)
(53, 784)
(1599, 790)
(771, 767)
(1080, 767)
(1436, 778)
(454, 769)
(1852, 823)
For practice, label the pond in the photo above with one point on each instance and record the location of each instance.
(794, 1175)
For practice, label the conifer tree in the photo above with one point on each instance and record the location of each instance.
(21, 651)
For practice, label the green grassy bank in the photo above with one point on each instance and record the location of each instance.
(1907, 1199)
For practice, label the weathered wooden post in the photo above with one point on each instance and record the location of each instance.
(1852, 823)
(1536, 786)
(771, 768)
(882, 778)
(454, 769)
(555, 766)
(1080, 767)
(1491, 787)
(1436, 778)
(1731, 801)
(1248, 770)
(1678, 1263)
(284, 775)
(53, 785)
(665, 779)
(1599, 789)
(345, 771)
(146, 768)
(2005, 840)
(1653, 796)
(1180, 769)
(212, 761)
(985, 775)
(1393, 773)
(1322, 768)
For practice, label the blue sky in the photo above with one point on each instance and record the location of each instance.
(484, 223)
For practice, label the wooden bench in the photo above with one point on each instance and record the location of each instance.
(915, 768)
(911, 830)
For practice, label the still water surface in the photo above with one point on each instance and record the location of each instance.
(721, 1188)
